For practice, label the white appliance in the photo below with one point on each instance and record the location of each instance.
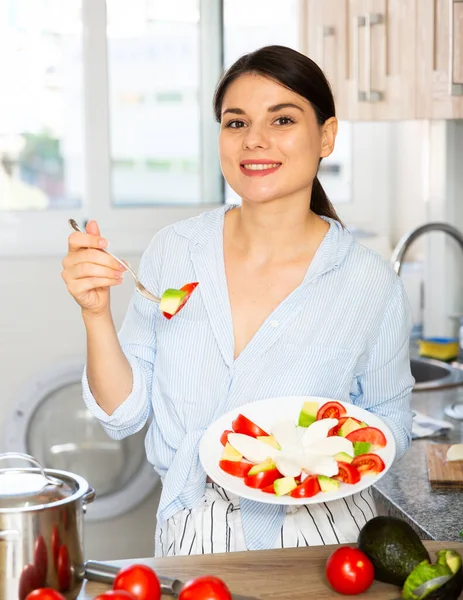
(50, 421)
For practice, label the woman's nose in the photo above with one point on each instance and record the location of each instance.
(256, 137)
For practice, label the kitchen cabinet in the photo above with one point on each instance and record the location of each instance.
(326, 45)
(439, 59)
(389, 59)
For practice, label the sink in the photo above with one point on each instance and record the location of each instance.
(432, 374)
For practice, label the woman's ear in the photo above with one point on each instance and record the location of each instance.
(329, 131)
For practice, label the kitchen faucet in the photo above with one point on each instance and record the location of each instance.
(454, 410)
(407, 240)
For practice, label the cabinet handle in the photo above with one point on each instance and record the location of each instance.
(359, 95)
(365, 21)
(325, 31)
(456, 88)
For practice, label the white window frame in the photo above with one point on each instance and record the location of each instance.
(130, 229)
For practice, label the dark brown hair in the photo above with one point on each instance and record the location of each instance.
(299, 74)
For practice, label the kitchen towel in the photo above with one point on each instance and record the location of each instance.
(424, 426)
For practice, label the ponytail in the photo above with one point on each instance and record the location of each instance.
(320, 204)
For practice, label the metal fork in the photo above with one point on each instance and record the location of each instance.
(139, 286)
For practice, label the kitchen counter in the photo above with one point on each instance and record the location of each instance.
(405, 490)
(290, 574)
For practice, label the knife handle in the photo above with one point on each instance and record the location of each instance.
(106, 573)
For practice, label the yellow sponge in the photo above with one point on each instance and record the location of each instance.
(439, 348)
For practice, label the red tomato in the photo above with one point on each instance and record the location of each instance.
(347, 473)
(244, 425)
(331, 410)
(262, 479)
(55, 545)
(41, 560)
(116, 595)
(139, 580)
(224, 437)
(368, 464)
(45, 594)
(309, 487)
(368, 434)
(28, 581)
(64, 569)
(270, 489)
(188, 288)
(205, 588)
(236, 468)
(349, 571)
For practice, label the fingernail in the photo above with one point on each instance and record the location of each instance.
(103, 243)
(120, 275)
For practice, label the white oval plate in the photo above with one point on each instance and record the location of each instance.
(265, 413)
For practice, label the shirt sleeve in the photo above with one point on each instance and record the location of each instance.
(385, 386)
(138, 342)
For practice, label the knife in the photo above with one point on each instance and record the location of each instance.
(106, 573)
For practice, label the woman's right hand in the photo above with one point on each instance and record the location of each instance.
(88, 272)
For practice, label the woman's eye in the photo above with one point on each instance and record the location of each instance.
(236, 124)
(284, 121)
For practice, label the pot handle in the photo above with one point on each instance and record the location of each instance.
(89, 496)
(34, 461)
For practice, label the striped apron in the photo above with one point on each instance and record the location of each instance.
(215, 525)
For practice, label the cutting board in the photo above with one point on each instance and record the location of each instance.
(443, 474)
(290, 574)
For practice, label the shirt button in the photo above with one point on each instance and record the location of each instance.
(274, 323)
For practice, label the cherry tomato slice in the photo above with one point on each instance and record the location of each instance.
(308, 488)
(236, 468)
(368, 434)
(368, 464)
(262, 479)
(331, 410)
(244, 425)
(224, 437)
(347, 473)
(270, 489)
(349, 571)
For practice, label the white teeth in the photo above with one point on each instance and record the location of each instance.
(260, 167)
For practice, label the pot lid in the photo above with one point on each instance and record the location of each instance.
(31, 487)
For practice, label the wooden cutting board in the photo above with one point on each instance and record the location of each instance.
(443, 474)
(290, 574)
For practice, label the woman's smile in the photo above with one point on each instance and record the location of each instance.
(259, 167)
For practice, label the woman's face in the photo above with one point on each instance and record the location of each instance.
(270, 142)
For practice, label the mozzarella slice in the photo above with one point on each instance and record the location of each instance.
(330, 446)
(318, 431)
(253, 450)
(287, 436)
(320, 465)
(287, 466)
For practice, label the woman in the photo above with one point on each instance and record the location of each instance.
(287, 304)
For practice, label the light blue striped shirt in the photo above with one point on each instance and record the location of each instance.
(342, 333)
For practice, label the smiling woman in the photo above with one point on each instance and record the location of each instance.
(288, 304)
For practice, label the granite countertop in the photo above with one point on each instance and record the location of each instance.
(405, 490)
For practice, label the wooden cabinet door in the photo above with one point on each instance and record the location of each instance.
(382, 59)
(326, 23)
(439, 59)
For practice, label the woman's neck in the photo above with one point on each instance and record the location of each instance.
(272, 231)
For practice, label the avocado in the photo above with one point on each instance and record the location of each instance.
(393, 547)
(171, 301)
(308, 414)
(361, 448)
(267, 465)
(348, 427)
(448, 563)
(327, 484)
(284, 485)
(270, 440)
(343, 457)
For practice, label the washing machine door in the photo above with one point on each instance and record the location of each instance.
(51, 422)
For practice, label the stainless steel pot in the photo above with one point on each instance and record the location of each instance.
(41, 529)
